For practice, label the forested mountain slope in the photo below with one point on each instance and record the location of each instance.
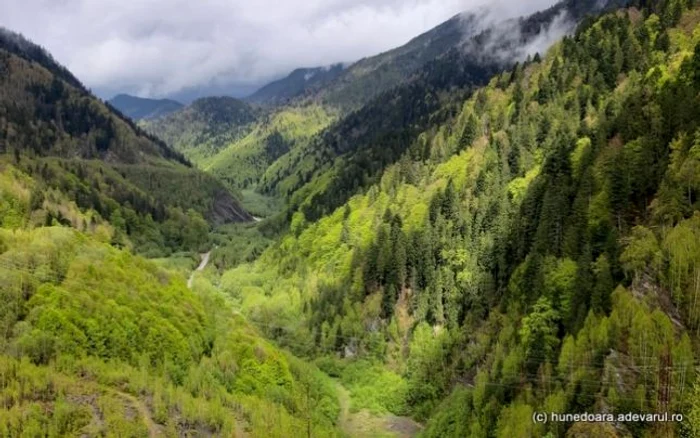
(82, 150)
(350, 88)
(537, 252)
(138, 108)
(99, 342)
(235, 142)
(351, 154)
(298, 83)
(204, 127)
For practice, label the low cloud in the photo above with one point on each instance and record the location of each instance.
(550, 34)
(506, 43)
(166, 47)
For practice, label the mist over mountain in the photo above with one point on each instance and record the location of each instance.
(489, 34)
(223, 48)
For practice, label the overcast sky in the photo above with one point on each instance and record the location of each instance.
(156, 48)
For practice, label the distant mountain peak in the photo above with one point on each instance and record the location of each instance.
(222, 109)
(297, 83)
(140, 108)
(47, 112)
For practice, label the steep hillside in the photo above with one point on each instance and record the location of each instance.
(351, 154)
(205, 127)
(55, 131)
(237, 144)
(99, 342)
(349, 88)
(369, 77)
(352, 87)
(45, 110)
(275, 137)
(299, 82)
(535, 252)
(138, 108)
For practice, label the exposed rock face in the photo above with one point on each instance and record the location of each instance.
(226, 210)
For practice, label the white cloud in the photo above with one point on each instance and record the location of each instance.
(505, 42)
(161, 47)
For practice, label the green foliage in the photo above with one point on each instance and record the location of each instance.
(375, 388)
(259, 205)
(80, 152)
(48, 112)
(539, 331)
(535, 252)
(94, 331)
(89, 196)
(531, 249)
(203, 128)
(239, 146)
(235, 244)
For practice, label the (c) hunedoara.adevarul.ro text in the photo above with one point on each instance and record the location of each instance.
(586, 417)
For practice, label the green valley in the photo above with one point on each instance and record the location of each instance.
(449, 239)
(98, 341)
(523, 256)
(242, 146)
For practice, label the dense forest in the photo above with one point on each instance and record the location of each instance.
(204, 127)
(80, 150)
(477, 244)
(335, 136)
(536, 252)
(352, 154)
(98, 341)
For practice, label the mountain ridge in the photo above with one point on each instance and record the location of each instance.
(358, 82)
(138, 108)
(54, 130)
(482, 243)
(296, 84)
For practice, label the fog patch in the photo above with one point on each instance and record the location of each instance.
(506, 43)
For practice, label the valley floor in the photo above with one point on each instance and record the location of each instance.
(364, 424)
